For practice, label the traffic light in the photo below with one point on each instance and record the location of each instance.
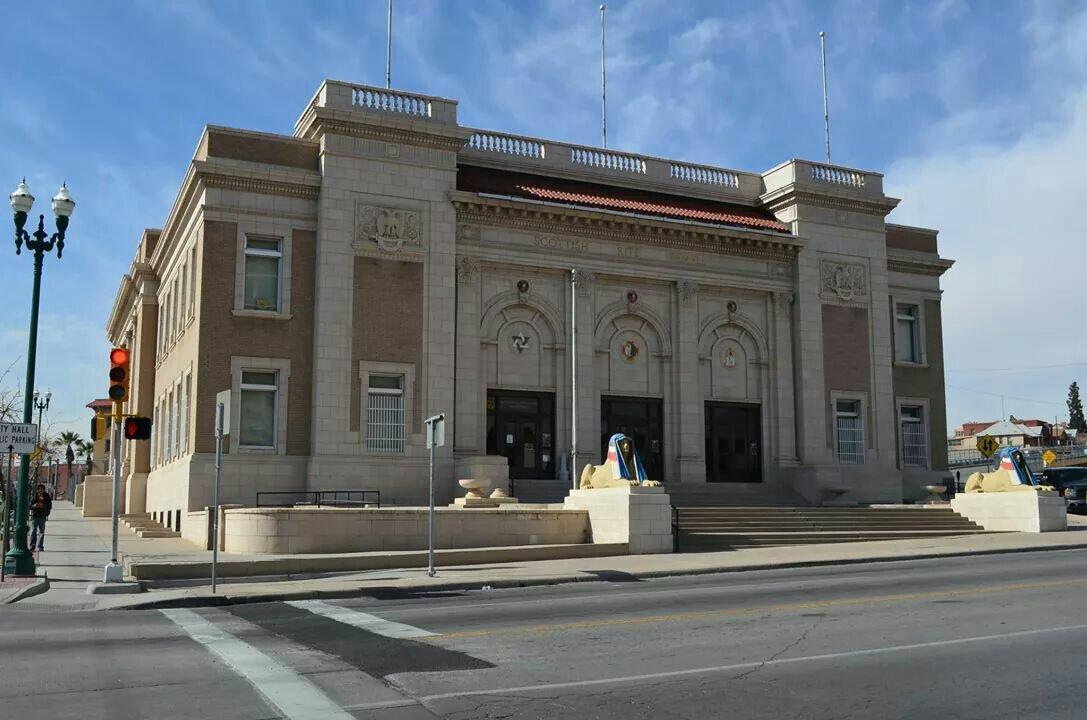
(98, 427)
(118, 374)
(137, 428)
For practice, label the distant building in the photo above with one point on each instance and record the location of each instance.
(385, 263)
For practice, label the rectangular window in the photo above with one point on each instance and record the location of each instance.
(907, 334)
(257, 417)
(177, 421)
(914, 445)
(850, 427)
(385, 413)
(184, 275)
(263, 257)
(192, 281)
(185, 416)
(169, 444)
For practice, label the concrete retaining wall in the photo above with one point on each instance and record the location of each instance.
(1039, 511)
(337, 530)
(98, 495)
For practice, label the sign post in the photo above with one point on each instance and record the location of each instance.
(8, 487)
(219, 412)
(114, 573)
(435, 437)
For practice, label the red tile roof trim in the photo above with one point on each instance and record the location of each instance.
(716, 217)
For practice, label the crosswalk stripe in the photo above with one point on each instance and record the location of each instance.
(293, 695)
(361, 620)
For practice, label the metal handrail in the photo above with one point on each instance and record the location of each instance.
(675, 529)
(328, 498)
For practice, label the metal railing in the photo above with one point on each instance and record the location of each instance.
(320, 498)
(675, 529)
(964, 457)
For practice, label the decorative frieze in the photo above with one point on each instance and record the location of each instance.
(385, 231)
(845, 282)
(584, 281)
(686, 290)
(467, 269)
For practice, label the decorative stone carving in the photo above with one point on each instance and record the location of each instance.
(467, 269)
(583, 281)
(520, 342)
(782, 301)
(842, 281)
(686, 290)
(730, 358)
(629, 351)
(388, 228)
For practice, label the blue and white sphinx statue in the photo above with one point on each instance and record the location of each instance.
(622, 468)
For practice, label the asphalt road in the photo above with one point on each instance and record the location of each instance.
(988, 637)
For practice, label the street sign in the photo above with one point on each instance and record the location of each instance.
(987, 445)
(20, 437)
(36, 455)
(1049, 456)
(435, 431)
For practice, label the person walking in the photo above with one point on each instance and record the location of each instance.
(40, 507)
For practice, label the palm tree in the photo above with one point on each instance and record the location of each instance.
(68, 439)
(84, 449)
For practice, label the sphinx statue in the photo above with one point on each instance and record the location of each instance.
(622, 468)
(1013, 475)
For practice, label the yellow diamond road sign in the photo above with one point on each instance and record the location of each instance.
(987, 445)
(1049, 456)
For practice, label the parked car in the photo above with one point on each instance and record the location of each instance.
(1071, 482)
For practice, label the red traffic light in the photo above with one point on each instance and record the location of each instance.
(118, 374)
(137, 428)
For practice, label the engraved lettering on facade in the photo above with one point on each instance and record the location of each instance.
(550, 242)
(628, 251)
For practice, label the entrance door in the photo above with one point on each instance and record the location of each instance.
(733, 443)
(641, 419)
(521, 427)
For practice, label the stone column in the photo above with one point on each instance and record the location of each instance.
(782, 366)
(588, 400)
(468, 427)
(810, 385)
(690, 413)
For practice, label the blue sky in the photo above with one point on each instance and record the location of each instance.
(975, 110)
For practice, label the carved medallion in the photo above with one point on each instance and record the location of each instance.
(520, 342)
(388, 228)
(843, 281)
(629, 351)
(730, 358)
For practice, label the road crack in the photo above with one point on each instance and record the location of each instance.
(801, 638)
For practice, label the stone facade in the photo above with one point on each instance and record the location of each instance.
(721, 315)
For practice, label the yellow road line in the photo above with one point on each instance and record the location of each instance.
(763, 609)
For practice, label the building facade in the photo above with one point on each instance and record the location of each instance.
(386, 263)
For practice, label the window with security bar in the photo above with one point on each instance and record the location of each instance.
(385, 413)
(914, 442)
(850, 431)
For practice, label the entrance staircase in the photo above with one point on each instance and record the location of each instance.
(725, 528)
(145, 527)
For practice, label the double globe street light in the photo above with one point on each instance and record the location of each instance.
(20, 560)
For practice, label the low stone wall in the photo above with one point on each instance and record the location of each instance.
(98, 495)
(638, 516)
(338, 530)
(79, 495)
(1038, 511)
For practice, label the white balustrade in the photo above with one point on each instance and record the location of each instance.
(506, 144)
(837, 176)
(607, 160)
(704, 175)
(389, 101)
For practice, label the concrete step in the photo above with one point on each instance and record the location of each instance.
(145, 527)
(723, 541)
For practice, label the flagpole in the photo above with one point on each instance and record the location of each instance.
(826, 107)
(603, 85)
(389, 49)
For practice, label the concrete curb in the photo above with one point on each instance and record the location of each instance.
(146, 603)
(35, 588)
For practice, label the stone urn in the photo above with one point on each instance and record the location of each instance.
(476, 488)
(935, 493)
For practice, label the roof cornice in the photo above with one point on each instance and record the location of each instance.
(789, 195)
(317, 121)
(915, 263)
(623, 227)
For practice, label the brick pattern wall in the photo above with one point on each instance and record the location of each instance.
(223, 335)
(928, 382)
(387, 324)
(255, 148)
(846, 359)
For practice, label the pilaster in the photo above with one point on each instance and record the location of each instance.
(689, 414)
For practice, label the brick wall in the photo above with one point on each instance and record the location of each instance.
(223, 335)
(846, 359)
(387, 323)
(928, 382)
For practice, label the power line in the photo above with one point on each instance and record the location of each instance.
(1020, 368)
(1002, 395)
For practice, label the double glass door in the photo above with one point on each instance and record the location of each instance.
(733, 443)
(521, 428)
(640, 419)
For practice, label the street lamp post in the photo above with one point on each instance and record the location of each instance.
(19, 560)
(41, 404)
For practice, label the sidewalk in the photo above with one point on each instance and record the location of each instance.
(78, 549)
